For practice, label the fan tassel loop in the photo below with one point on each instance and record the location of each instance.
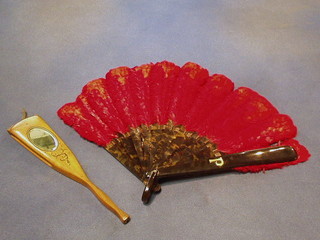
(151, 186)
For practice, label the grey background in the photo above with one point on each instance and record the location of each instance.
(50, 49)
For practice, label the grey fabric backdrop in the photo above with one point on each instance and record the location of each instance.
(50, 49)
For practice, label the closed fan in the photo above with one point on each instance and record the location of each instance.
(163, 121)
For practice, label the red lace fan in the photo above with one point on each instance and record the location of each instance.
(161, 120)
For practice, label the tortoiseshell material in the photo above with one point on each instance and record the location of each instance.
(162, 147)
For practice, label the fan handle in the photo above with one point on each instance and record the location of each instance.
(221, 163)
(262, 156)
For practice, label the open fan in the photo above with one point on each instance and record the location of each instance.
(162, 121)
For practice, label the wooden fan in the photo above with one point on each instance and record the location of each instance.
(162, 121)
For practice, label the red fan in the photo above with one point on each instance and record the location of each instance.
(161, 121)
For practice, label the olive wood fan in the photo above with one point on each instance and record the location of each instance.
(163, 121)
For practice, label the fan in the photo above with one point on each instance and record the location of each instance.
(162, 121)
